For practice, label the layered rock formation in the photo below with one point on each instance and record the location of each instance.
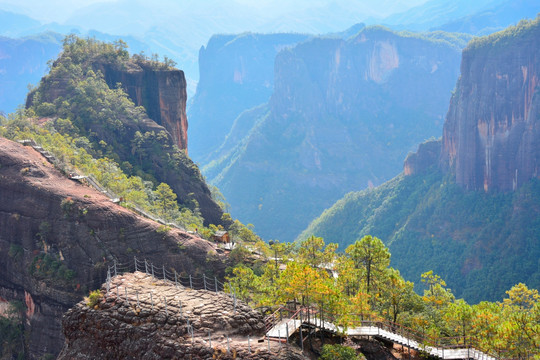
(175, 323)
(425, 157)
(161, 92)
(58, 238)
(491, 137)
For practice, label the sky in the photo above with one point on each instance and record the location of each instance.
(61, 10)
(49, 10)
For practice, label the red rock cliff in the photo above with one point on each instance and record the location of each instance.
(58, 237)
(161, 92)
(491, 137)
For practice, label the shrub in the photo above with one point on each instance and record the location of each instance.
(67, 205)
(338, 352)
(93, 298)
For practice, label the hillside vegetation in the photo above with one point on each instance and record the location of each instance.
(358, 284)
(97, 130)
(479, 243)
(474, 215)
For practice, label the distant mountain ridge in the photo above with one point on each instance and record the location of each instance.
(479, 18)
(23, 61)
(236, 74)
(339, 107)
(494, 18)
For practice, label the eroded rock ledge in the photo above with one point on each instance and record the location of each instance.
(156, 321)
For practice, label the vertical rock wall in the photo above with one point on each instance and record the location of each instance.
(491, 137)
(161, 92)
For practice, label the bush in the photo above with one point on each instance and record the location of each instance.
(93, 298)
(338, 352)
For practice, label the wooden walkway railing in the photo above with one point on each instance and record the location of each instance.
(443, 348)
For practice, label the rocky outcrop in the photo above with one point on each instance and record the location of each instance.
(426, 156)
(491, 137)
(58, 238)
(161, 92)
(153, 142)
(173, 323)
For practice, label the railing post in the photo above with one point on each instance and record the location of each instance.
(175, 279)
(204, 280)
(287, 331)
(152, 266)
(117, 291)
(301, 337)
(166, 311)
(209, 340)
(180, 303)
(215, 282)
(228, 345)
(115, 273)
(108, 281)
(164, 275)
(135, 261)
(145, 267)
(190, 282)
(249, 344)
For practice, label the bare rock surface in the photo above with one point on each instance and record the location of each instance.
(492, 130)
(158, 320)
(58, 236)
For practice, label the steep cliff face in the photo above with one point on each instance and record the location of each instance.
(236, 74)
(161, 92)
(59, 236)
(426, 156)
(343, 116)
(151, 141)
(491, 137)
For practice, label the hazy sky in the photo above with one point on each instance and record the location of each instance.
(48, 10)
(61, 10)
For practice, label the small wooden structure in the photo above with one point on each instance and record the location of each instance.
(221, 236)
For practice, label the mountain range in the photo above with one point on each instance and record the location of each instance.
(465, 206)
(341, 115)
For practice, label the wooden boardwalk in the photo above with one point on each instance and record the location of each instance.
(283, 329)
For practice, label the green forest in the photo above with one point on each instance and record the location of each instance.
(358, 284)
(480, 243)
